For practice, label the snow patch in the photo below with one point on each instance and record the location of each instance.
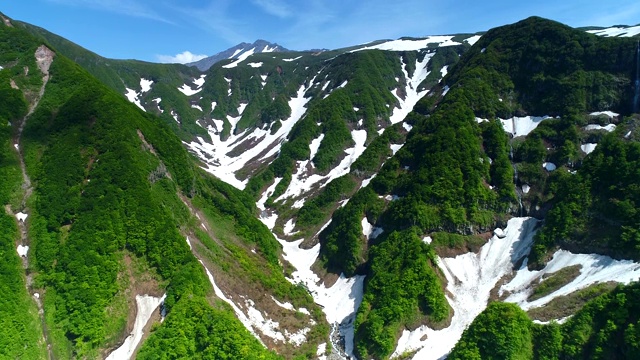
(609, 114)
(196, 107)
(255, 65)
(340, 302)
(301, 182)
(412, 45)
(526, 188)
(315, 145)
(145, 85)
(215, 153)
(23, 250)
(132, 96)
(240, 59)
(470, 278)
(588, 147)
(411, 89)
(472, 40)
(288, 227)
(21, 216)
(146, 306)
(617, 31)
(395, 147)
(292, 59)
(522, 126)
(594, 269)
(609, 127)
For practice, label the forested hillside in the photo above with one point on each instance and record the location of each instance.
(379, 201)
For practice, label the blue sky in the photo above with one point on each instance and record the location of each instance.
(159, 30)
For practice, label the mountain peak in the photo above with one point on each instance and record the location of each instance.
(258, 46)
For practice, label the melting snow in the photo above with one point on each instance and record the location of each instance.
(196, 107)
(470, 277)
(224, 166)
(288, 227)
(292, 59)
(132, 96)
(412, 45)
(588, 147)
(301, 182)
(21, 216)
(617, 31)
(189, 91)
(264, 80)
(22, 250)
(522, 126)
(340, 302)
(395, 148)
(472, 40)
(411, 89)
(608, 128)
(240, 59)
(609, 114)
(594, 269)
(255, 65)
(146, 306)
(145, 85)
(315, 145)
(526, 188)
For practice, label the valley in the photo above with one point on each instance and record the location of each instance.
(407, 199)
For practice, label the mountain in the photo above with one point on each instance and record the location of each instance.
(403, 198)
(238, 53)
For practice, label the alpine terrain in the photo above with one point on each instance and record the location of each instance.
(470, 196)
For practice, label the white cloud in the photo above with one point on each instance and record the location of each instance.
(274, 7)
(182, 58)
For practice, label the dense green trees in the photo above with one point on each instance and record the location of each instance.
(195, 330)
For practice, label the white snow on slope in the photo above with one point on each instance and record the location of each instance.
(617, 31)
(146, 306)
(470, 277)
(194, 106)
(588, 147)
(608, 128)
(132, 96)
(314, 146)
(255, 65)
(522, 126)
(292, 59)
(609, 114)
(145, 85)
(23, 250)
(395, 148)
(411, 90)
(412, 45)
(340, 301)
(214, 153)
(239, 314)
(240, 59)
(267, 49)
(595, 269)
(301, 182)
(21, 216)
(189, 91)
(472, 40)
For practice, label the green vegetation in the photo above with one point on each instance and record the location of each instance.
(554, 282)
(605, 328)
(596, 209)
(404, 288)
(195, 330)
(502, 331)
(568, 305)
(20, 330)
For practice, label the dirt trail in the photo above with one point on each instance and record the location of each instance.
(44, 58)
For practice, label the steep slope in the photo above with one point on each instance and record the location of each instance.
(238, 53)
(113, 200)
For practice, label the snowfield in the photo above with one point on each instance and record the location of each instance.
(588, 147)
(412, 45)
(470, 277)
(522, 126)
(215, 152)
(146, 306)
(240, 59)
(617, 31)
